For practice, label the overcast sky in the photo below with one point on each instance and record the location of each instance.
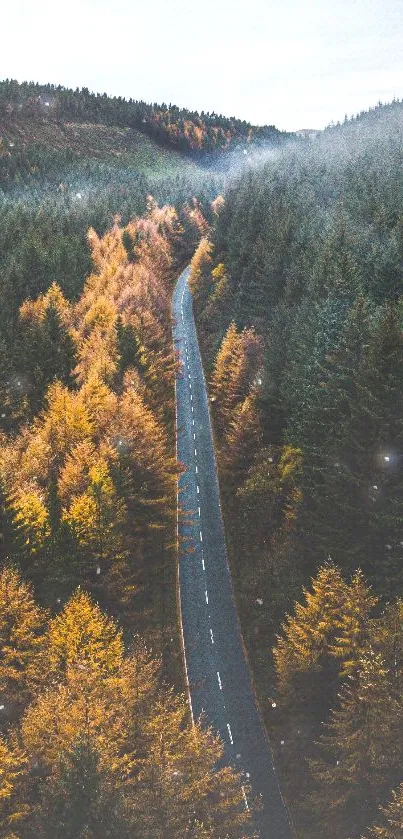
(291, 63)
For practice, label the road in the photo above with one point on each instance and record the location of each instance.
(218, 674)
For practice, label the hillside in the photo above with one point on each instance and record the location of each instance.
(205, 137)
(125, 147)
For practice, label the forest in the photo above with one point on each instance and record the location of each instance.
(298, 295)
(96, 737)
(296, 274)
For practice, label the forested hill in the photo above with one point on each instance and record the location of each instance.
(299, 298)
(204, 136)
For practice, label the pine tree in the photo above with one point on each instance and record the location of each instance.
(303, 664)
(362, 748)
(22, 625)
(106, 720)
(129, 349)
(31, 520)
(241, 443)
(235, 370)
(96, 517)
(82, 635)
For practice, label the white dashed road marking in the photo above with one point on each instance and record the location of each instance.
(206, 596)
(211, 636)
(230, 734)
(219, 680)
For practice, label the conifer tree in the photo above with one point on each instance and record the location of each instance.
(31, 520)
(301, 654)
(362, 748)
(106, 719)
(96, 517)
(270, 496)
(22, 625)
(200, 280)
(242, 440)
(82, 635)
(235, 370)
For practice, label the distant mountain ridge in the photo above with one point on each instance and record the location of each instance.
(202, 136)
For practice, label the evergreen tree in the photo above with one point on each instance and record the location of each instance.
(242, 440)
(304, 669)
(362, 747)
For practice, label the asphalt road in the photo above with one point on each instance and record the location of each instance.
(218, 674)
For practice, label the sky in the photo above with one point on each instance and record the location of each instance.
(287, 63)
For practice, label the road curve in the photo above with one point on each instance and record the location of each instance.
(219, 678)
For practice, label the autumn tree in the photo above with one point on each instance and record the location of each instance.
(82, 635)
(354, 633)
(96, 516)
(242, 440)
(13, 806)
(304, 669)
(76, 801)
(106, 723)
(22, 625)
(31, 519)
(235, 371)
(387, 632)
(200, 280)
